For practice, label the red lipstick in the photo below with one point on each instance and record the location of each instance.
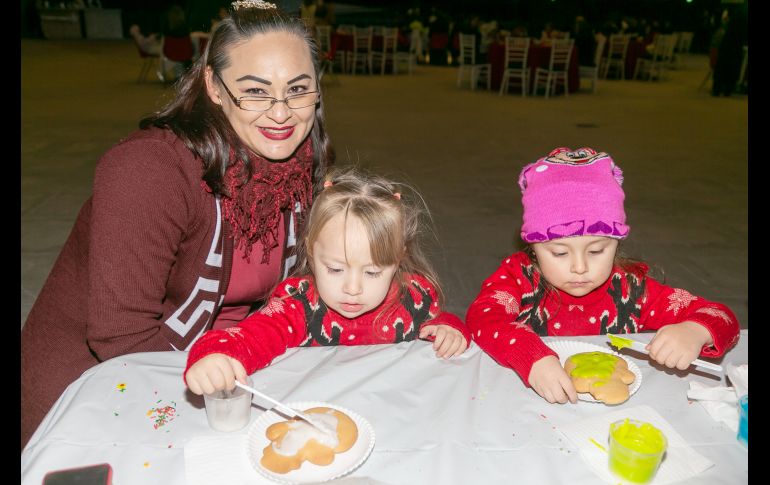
(277, 133)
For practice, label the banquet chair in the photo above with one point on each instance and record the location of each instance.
(515, 67)
(323, 37)
(408, 58)
(560, 35)
(655, 66)
(616, 55)
(362, 49)
(743, 78)
(683, 44)
(592, 72)
(713, 52)
(176, 56)
(401, 59)
(558, 68)
(389, 47)
(149, 60)
(199, 41)
(328, 58)
(468, 63)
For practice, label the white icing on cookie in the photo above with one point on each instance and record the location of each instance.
(300, 432)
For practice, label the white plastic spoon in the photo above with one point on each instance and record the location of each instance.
(623, 342)
(291, 412)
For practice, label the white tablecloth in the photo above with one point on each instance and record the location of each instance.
(465, 420)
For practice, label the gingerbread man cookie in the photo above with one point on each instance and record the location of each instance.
(294, 441)
(605, 376)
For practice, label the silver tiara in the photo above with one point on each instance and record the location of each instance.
(253, 4)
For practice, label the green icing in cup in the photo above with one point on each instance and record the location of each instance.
(636, 450)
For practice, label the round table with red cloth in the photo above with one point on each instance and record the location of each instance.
(538, 56)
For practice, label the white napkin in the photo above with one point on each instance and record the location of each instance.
(720, 402)
(739, 377)
(223, 459)
(680, 461)
(220, 459)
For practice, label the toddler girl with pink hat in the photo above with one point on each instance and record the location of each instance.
(570, 280)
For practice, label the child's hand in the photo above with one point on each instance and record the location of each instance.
(677, 345)
(215, 372)
(449, 341)
(549, 379)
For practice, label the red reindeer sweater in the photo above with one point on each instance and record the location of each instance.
(513, 310)
(295, 317)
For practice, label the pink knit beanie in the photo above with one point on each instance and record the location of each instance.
(572, 193)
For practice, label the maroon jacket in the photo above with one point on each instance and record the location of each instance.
(145, 268)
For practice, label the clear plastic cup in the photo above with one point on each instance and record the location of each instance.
(229, 410)
(636, 450)
(743, 423)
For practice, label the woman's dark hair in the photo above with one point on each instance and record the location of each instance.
(202, 125)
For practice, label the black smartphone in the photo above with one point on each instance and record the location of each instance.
(100, 474)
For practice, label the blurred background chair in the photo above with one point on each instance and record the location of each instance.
(558, 68)
(683, 44)
(148, 62)
(389, 48)
(404, 59)
(468, 64)
(743, 79)
(515, 66)
(713, 53)
(176, 57)
(654, 67)
(362, 49)
(334, 56)
(616, 56)
(592, 72)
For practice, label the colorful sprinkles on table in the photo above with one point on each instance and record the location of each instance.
(162, 415)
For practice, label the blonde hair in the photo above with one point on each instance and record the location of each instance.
(394, 216)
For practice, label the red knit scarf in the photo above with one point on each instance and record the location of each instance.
(254, 209)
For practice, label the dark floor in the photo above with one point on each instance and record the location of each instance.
(683, 152)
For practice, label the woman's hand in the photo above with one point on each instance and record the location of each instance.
(449, 341)
(677, 345)
(549, 379)
(213, 373)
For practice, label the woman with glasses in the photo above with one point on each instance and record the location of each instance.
(193, 217)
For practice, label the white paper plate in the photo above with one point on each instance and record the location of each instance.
(566, 348)
(343, 463)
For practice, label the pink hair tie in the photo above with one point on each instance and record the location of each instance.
(328, 184)
(397, 195)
